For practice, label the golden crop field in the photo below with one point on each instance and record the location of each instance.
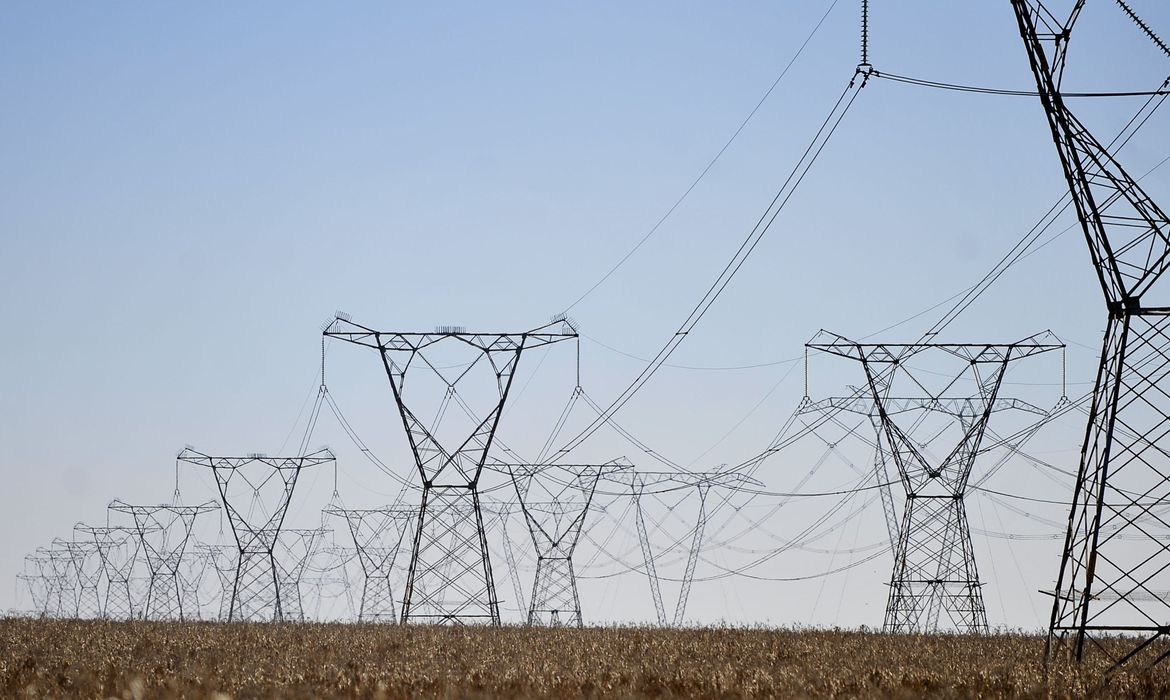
(97, 659)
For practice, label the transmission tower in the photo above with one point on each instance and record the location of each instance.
(222, 560)
(58, 563)
(163, 532)
(1116, 553)
(86, 567)
(297, 547)
(117, 549)
(645, 485)
(555, 523)
(256, 491)
(192, 575)
(377, 536)
(450, 575)
(934, 561)
(42, 585)
(339, 561)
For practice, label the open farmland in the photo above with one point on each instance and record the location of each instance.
(62, 658)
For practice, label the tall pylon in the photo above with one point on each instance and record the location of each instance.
(163, 533)
(1115, 568)
(256, 491)
(934, 561)
(555, 500)
(450, 577)
(377, 535)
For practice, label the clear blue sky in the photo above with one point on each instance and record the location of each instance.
(190, 190)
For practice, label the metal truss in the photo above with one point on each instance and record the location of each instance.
(43, 586)
(38, 591)
(222, 559)
(1116, 552)
(934, 561)
(643, 483)
(117, 549)
(192, 575)
(450, 575)
(338, 560)
(256, 491)
(163, 532)
(555, 525)
(297, 547)
(86, 567)
(377, 536)
(58, 570)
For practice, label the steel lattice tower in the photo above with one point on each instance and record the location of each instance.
(58, 563)
(297, 547)
(934, 560)
(163, 532)
(222, 559)
(555, 527)
(42, 585)
(256, 491)
(450, 576)
(642, 484)
(377, 536)
(117, 548)
(86, 565)
(1115, 567)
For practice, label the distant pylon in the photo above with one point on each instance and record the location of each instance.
(86, 564)
(555, 512)
(644, 484)
(256, 491)
(62, 582)
(377, 535)
(934, 560)
(296, 548)
(118, 550)
(163, 532)
(450, 577)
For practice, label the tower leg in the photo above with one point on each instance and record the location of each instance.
(450, 578)
(934, 569)
(554, 594)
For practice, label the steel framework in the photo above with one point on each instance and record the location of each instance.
(450, 575)
(377, 536)
(297, 547)
(555, 526)
(86, 566)
(222, 559)
(163, 532)
(256, 491)
(117, 549)
(934, 561)
(1116, 553)
(58, 570)
(643, 483)
(42, 584)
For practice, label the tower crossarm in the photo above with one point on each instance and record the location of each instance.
(351, 332)
(659, 481)
(894, 405)
(898, 353)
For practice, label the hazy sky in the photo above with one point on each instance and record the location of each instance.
(189, 191)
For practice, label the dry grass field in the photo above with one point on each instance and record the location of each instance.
(94, 659)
